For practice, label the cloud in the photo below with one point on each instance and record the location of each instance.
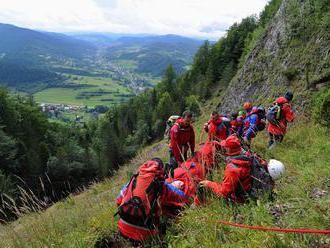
(199, 18)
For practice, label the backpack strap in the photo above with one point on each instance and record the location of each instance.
(158, 184)
(239, 157)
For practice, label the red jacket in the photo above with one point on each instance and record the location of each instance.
(237, 178)
(207, 155)
(218, 129)
(288, 116)
(195, 169)
(191, 173)
(182, 137)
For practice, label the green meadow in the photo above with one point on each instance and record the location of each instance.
(85, 91)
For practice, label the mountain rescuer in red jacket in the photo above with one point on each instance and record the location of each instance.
(218, 127)
(182, 137)
(277, 128)
(251, 125)
(188, 176)
(237, 176)
(139, 201)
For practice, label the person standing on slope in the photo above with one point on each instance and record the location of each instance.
(182, 137)
(278, 116)
(218, 127)
(251, 124)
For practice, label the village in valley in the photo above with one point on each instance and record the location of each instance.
(72, 113)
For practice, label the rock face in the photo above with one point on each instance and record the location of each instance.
(287, 56)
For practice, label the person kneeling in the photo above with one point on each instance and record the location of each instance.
(245, 175)
(237, 176)
(138, 203)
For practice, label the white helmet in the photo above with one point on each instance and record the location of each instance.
(276, 169)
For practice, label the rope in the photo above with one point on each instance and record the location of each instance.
(276, 229)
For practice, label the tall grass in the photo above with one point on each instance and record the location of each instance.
(302, 201)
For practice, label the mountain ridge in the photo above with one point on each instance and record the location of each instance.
(59, 54)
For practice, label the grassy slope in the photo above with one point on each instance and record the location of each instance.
(306, 154)
(82, 220)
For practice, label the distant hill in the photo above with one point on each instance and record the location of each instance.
(101, 38)
(23, 45)
(152, 54)
(28, 56)
(31, 58)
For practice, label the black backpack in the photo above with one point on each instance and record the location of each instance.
(275, 114)
(261, 119)
(262, 183)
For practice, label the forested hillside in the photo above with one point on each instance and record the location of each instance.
(27, 56)
(285, 47)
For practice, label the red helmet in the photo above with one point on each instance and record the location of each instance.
(247, 105)
(232, 145)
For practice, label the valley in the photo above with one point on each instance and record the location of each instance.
(87, 70)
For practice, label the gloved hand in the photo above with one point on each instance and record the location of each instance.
(206, 127)
(204, 183)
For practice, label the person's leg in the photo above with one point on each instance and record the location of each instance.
(279, 138)
(201, 195)
(185, 155)
(271, 140)
(173, 162)
(169, 167)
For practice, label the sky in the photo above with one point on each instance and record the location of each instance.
(194, 18)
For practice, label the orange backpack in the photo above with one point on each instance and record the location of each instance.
(139, 204)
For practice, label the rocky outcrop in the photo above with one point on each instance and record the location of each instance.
(281, 59)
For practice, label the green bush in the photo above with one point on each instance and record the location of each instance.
(291, 73)
(321, 107)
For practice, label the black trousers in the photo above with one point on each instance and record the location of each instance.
(273, 138)
(173, 163)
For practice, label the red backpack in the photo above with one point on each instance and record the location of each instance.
(139, 203)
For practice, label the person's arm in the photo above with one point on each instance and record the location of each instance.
(192, 140)
(174, 143)
(240, 129)
(227, 187)
(206, 126)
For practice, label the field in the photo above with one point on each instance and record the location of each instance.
(85, 91)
